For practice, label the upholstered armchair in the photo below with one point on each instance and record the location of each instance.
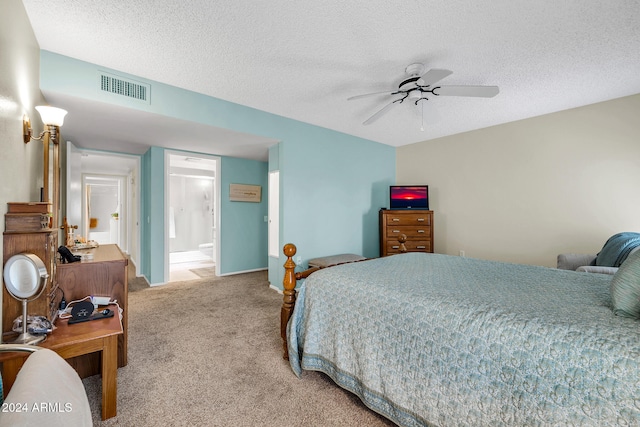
(583, 262)
(46, 392)
(614, 252)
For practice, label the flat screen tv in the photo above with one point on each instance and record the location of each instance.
(409, 197)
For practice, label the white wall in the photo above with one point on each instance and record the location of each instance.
(528, 190)
(20, 163)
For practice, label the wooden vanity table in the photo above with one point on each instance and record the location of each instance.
(104, 275)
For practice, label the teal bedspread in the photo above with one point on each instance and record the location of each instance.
(427, 339)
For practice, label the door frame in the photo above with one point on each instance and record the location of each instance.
(167, 198)
(75, 166)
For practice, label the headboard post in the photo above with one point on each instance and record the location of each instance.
(289, 298)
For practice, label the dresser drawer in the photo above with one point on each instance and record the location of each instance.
(412, 232)
(408, 219)
(410, 245)
(416, 225)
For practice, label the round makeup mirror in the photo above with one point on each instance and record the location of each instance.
(25, 276)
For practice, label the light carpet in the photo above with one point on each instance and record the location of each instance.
(209, 353)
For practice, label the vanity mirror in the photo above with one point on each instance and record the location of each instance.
(25, 276)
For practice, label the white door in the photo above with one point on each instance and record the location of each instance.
(274, 214)
(73, 192)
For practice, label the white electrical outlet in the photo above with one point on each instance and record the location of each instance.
(461, 253)
(298, 260)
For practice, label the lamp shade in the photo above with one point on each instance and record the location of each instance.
(51, 115)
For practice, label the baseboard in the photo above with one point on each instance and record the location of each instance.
(280, 291)
(217, 275)
(275, 288)
(233, 273)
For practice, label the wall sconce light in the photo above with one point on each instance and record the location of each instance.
(51, 116)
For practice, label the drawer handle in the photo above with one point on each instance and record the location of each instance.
(420, 219)
(420, 231)
(395, 247)
(395, 219)
(420, 247)
(395, 231)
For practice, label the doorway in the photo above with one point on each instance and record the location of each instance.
(105, 205)
(81, 167)
(192, 216)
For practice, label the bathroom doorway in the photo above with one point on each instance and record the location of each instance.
(192, 216)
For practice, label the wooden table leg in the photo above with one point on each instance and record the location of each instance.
(109, 377)
(10, 369)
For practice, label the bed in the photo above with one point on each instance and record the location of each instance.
(429, 339)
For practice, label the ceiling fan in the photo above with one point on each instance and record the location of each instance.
(421, 83)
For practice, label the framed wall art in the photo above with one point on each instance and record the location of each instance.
(245, 193)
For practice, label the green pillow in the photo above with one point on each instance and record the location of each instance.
(625, 287)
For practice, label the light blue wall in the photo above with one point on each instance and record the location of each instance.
(243, 233)
(331, 198)
(72, 77)
(332, 184)
(152, 215)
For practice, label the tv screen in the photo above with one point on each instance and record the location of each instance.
(409, 197)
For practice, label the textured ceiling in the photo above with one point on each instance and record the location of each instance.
(303, 59)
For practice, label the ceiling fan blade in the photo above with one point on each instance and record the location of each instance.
(479, 91)
(388, 92)
(379, 113)
(434, 75)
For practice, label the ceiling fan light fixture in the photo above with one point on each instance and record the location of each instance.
(421, 82)
(415, 94)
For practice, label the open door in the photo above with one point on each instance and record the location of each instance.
(72, 205)
(274, 214)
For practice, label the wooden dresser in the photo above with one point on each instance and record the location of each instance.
(417, 225)
(104, 275)
(27, 229)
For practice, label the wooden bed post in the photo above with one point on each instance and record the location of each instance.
(289, 298)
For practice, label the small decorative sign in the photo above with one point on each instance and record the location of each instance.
(245, 193)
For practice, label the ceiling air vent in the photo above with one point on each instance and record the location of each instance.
(124, 87)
